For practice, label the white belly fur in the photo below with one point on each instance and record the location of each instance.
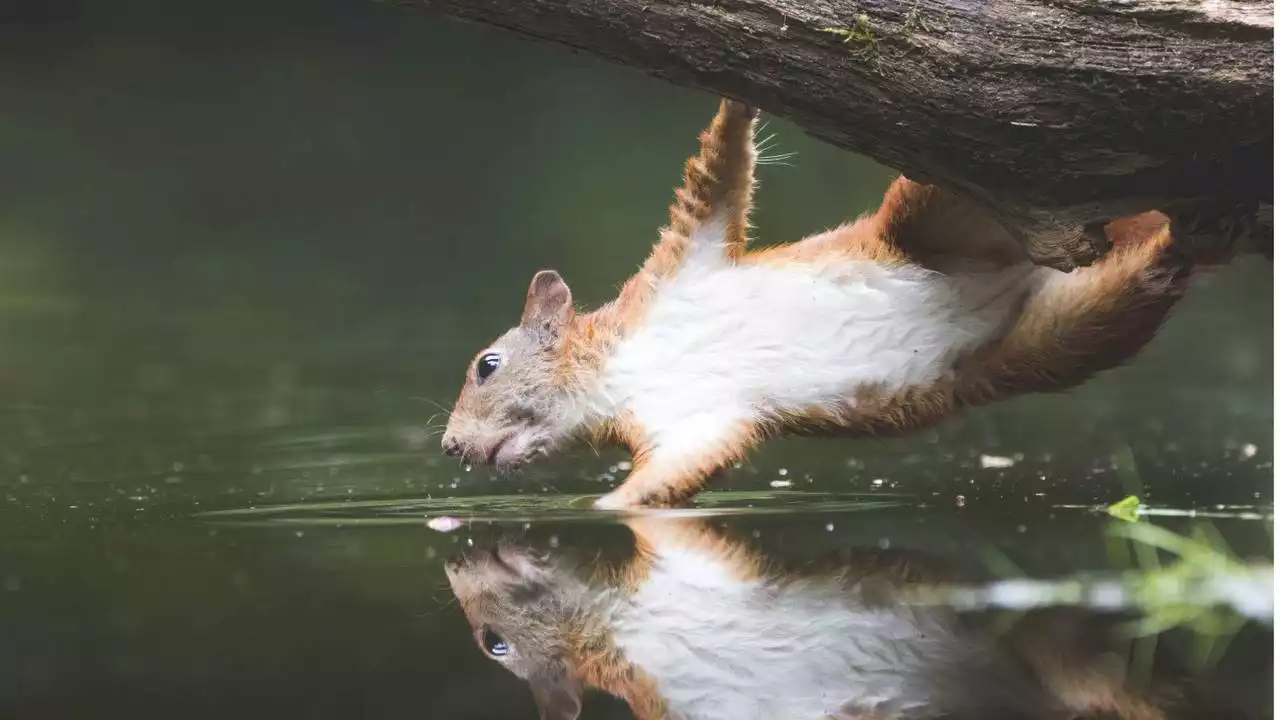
(747, 341)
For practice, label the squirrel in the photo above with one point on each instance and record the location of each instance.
(881, 326)
(697, 625)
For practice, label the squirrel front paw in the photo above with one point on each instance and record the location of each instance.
(620, 499)
(612, 501)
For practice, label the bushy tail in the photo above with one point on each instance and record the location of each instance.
(1094, 318)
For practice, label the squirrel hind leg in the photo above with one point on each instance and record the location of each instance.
(942, 230)
(1091, 319)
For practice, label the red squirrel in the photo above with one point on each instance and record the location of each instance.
(697, 625)
(881, 326)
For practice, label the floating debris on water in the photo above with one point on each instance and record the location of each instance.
(996, 461)
(1248, 450)
(1127, 509)
(1131, 509)
(780, 483)
(444, 523)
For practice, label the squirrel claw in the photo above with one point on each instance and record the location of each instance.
(737, 107)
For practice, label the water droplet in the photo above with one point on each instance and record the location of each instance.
(444, 523)
(996, 461)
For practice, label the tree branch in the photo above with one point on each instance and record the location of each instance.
(1057, 114)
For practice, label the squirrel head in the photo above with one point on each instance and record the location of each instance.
(522, 608)
(515, 401)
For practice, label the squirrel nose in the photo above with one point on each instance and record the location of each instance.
(451, 447)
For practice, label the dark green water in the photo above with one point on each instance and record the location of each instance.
(245, 255)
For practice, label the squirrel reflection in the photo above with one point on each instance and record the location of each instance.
(697, 625)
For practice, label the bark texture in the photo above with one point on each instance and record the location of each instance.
(1060, 115)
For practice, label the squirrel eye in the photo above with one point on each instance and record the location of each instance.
(494, 644)
(486, 365)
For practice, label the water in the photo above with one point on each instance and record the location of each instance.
(245, 256)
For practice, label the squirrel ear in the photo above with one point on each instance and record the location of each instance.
(558, 698)
(549, 305)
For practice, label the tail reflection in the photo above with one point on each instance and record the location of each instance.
(698, 625)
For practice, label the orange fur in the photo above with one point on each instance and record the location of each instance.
(1064, 336)
(938, 229)
(656, 480)
(859, 239)
(719, 178)
(696, 534)
(1065, 333)
(601, 665)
